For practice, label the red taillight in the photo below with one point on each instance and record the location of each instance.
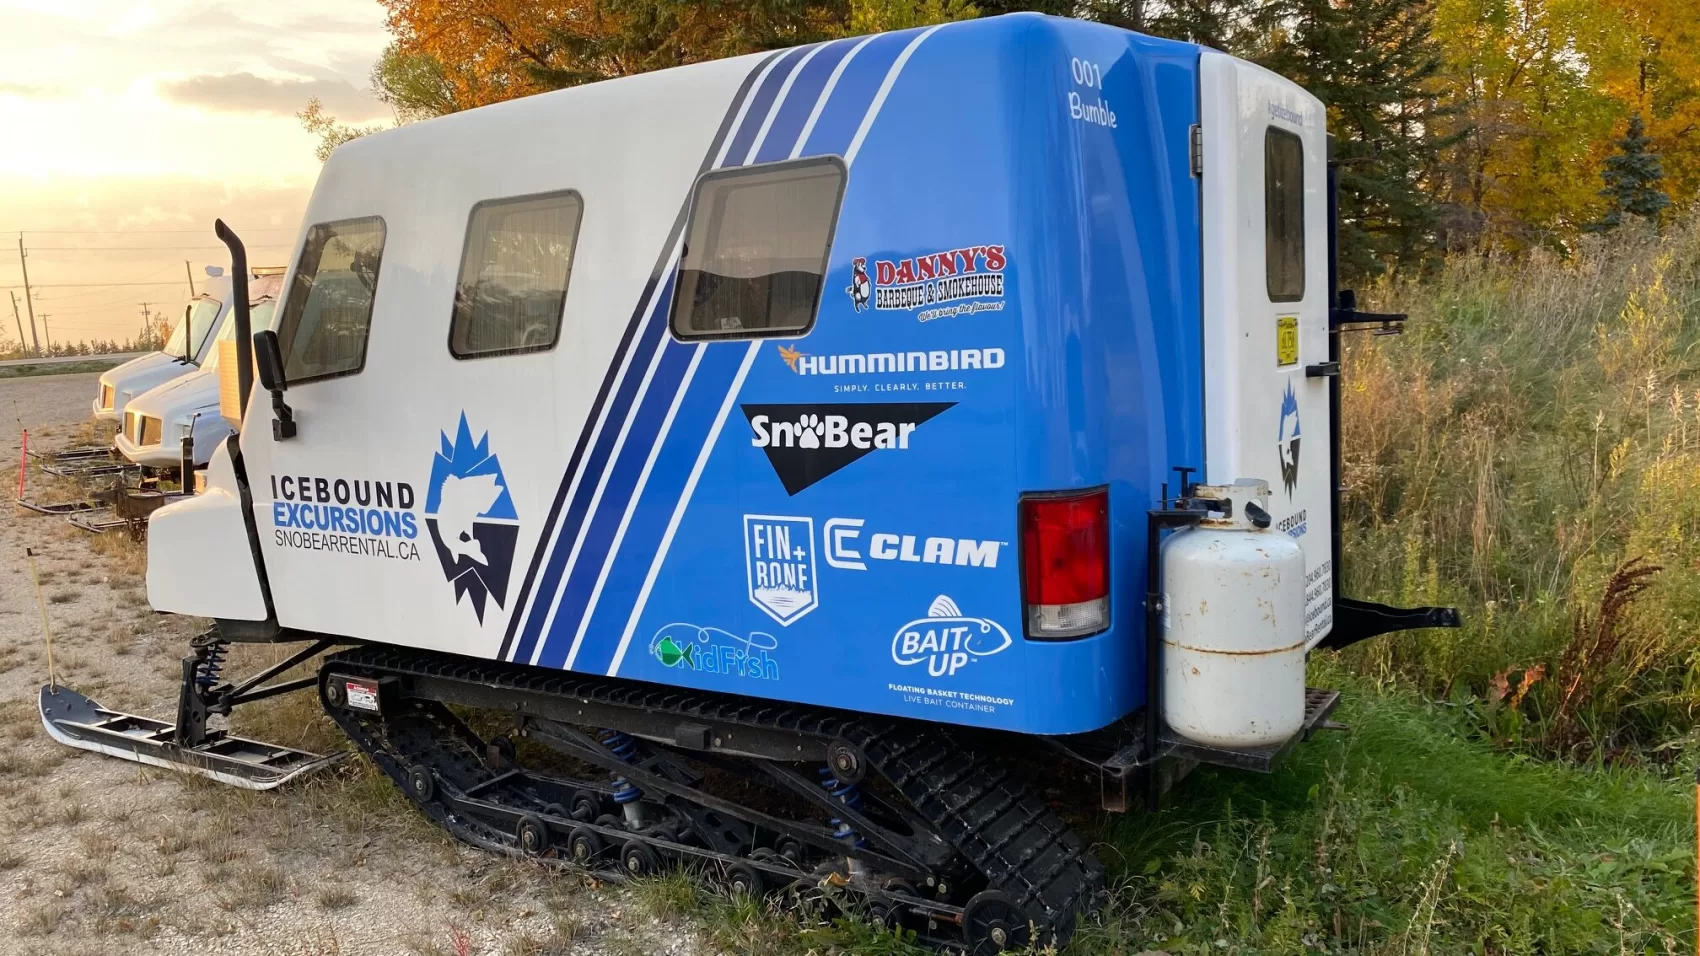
(1065, 564)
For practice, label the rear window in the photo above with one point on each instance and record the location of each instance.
(756, 249)
(1284, 215)
(329, 311)
(513, 275)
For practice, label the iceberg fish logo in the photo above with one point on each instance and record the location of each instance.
(471, 517)
(1287, 440)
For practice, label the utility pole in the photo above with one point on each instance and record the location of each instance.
(191, 274)
(46, 334)
(22, 345)
(147, 321)
(29, 302)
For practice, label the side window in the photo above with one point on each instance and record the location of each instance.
(756, 249)
(1284, 215)
(513, 275)
(324, 325)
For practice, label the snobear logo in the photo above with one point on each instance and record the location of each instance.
(471, 518)
(805, 443)
(1287, 440)
(947, 640)
(861, 288)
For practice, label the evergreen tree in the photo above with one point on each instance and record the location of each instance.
(1632, 180)
(1374, 64)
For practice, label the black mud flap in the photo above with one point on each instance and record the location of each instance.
(1356, 621)
(76, 721)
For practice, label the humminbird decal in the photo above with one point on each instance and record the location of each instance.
(805, 443)
(1287, 439)
(471, 518)
(936, 360)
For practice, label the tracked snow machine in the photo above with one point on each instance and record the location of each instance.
(802, 451)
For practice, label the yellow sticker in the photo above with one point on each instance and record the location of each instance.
(1286, 340)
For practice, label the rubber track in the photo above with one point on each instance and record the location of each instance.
(1016, 842)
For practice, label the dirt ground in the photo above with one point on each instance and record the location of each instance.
(104, 856)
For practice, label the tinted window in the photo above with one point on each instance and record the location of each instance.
(324, 325)
(756, 248)
(513, 275)
(1284, 215)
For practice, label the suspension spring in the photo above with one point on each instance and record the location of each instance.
(210, 665)
(848, 794)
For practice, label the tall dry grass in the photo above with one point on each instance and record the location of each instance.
(1534, 433)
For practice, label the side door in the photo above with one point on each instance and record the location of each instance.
(1264, 155)
(389, 514)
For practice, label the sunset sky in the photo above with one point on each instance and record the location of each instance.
(128, 126)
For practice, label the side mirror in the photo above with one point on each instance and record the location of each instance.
(269, 357)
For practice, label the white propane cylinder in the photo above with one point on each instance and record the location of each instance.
(1233, 626)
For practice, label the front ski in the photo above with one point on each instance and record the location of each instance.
(76, 721)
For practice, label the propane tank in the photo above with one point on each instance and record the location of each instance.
(1233, 624)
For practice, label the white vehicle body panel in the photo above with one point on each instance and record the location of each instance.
(221, 583)
(1245, 436)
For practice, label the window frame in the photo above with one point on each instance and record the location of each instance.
(371, 305)
(735, 172)
(1273, 133)
(566, 288)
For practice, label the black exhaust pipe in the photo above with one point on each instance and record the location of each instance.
(244, 330)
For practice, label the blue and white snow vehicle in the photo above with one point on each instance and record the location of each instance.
(849, 421)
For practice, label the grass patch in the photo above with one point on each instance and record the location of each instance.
(60, 368)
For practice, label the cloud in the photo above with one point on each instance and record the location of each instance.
(247, 93)
(22, 89)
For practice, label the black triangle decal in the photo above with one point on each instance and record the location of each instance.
(805, 443)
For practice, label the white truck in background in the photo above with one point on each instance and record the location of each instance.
(155, 422)
(184, 351)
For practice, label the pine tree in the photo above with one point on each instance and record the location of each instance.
(1632, 180)
(1374, 64)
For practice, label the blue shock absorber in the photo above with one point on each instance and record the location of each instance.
(626, 794)
(850, 795)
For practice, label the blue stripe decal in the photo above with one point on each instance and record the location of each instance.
(590, 578)
(549, 582)
(718, 368)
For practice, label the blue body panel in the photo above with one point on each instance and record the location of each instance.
(1020, 203)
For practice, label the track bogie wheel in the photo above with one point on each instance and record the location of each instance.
(533, 835)
(334, 692)
(744, 880)
(637, 859)
(421, 786)
(992, 923)
(611, 821)
(790, 849)
(585, 807)
(584, 846)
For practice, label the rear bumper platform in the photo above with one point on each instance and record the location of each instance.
(76, 721)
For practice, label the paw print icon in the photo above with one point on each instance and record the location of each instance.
(809, 431)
